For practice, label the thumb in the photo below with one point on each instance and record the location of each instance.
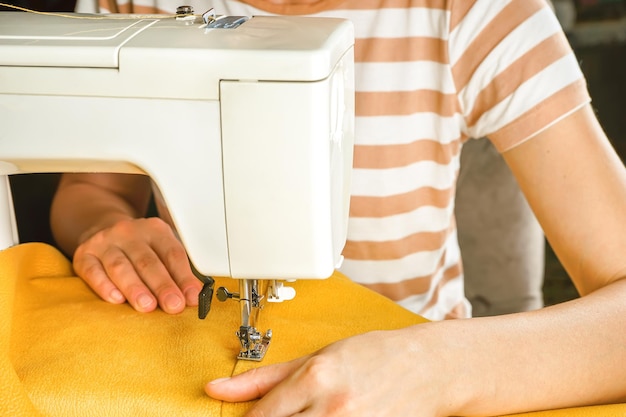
(251, 384)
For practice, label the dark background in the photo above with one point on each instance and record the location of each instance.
(41, 5)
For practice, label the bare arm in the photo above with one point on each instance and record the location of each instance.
(561, 356)
(98, 219)
(576, 184)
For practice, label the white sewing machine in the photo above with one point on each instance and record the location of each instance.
(244, 124)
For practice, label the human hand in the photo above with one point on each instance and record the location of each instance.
(374, 374)
(140, 261)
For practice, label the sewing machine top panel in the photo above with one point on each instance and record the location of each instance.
(268, 49)
(84, 41)
(153, 56)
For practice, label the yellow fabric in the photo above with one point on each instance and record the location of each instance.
(64, 352)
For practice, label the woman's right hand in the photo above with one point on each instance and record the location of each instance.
(99, 220)
(140, 261)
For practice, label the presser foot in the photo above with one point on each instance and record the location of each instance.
(253, 344)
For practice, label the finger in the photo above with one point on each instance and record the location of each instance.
(149, 267)
(91, 270)
(292, 396)
(122, 273)
(173, 255)
(282, 401)
(252, 384)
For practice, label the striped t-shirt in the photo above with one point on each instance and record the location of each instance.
(429, 75)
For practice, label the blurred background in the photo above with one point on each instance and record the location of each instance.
(597, 32)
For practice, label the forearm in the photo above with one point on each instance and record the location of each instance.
(562, 356)
(81, 207)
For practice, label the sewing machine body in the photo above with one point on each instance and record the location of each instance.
(246, 132)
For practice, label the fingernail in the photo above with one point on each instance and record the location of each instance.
(191, 295)
(172, 301)
(219, 380)
(116, 296)
(144, 301)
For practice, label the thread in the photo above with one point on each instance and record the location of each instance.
(89, 17)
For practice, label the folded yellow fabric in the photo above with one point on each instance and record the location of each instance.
(64, 352)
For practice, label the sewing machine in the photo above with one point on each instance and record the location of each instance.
(244, 124)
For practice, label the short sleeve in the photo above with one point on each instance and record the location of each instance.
(514, 70)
